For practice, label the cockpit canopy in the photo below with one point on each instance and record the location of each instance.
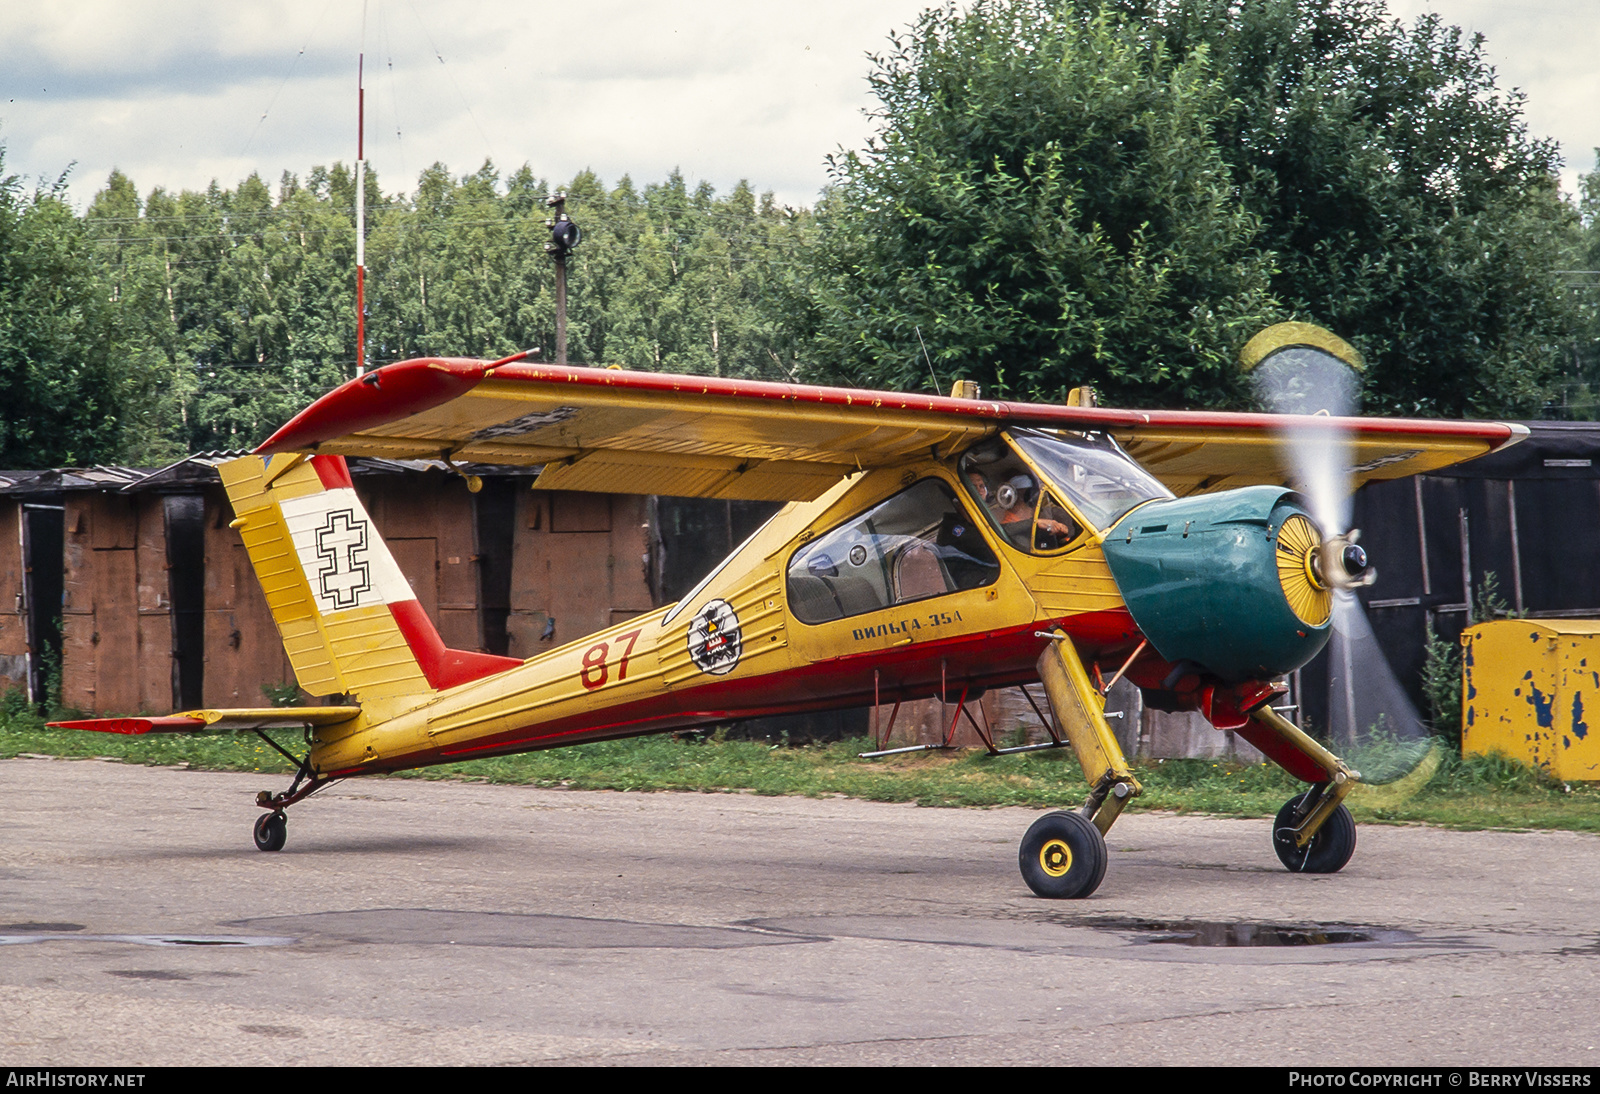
(1096, 479)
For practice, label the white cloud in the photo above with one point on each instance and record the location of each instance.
(172, 91)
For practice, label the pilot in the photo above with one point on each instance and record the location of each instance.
(980, 487)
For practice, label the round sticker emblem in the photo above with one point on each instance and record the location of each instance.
(714, 641)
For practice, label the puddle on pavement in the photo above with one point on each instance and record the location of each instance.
(1218, 933)
(40, 928)
(145, 939)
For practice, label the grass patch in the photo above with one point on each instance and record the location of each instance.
(1476, 792)
(23, 733)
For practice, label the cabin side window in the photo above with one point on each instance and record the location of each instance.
(918, 544)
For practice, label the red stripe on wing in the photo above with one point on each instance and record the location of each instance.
(386, 395)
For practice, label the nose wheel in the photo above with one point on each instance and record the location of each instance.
(1063, 856)
(271, 831)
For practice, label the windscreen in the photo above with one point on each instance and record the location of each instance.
(1098, 478)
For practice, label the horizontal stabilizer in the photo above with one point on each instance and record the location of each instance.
(218, 721)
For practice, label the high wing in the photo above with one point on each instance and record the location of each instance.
(616, 431)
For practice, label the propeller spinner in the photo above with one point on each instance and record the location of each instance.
(1341, 563)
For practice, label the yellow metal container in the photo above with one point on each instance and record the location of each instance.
(1532, 692)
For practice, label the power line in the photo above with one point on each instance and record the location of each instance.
(286, 77)
(451, 73)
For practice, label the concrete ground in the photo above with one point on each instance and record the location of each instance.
(451, 923)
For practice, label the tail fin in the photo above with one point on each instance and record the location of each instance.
(348, 618)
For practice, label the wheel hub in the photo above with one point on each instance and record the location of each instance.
(1055, 858)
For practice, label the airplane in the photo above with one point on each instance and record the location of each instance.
(930, 546)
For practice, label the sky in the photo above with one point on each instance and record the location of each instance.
(176, 93)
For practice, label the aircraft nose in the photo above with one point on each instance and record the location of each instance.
(1240, 582)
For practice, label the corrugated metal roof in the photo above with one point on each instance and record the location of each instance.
(56, 480)
(199, 468)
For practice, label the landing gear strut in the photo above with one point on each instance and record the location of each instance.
(1063, 856)
(1313, 832)
(272, 829)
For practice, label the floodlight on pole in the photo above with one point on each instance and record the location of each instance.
(564, 236)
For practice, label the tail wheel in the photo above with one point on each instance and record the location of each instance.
(271, 831)
(1063, 856)
(1328, 850)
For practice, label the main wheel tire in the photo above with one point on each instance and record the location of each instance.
(271, 830)
(1328, 850)
(1063, 856)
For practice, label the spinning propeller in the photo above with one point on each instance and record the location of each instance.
(1299, 369)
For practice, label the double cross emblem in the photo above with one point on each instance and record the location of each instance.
(342, 547)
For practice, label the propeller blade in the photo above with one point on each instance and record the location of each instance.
(1299, 369)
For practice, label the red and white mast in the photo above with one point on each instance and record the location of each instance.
(361, 201)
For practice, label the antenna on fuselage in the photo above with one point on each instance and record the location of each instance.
(931, 375)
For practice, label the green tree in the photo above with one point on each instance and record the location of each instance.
(1044, 206)
(133, 275)
(241, 304)
(680, 280)
(1399, 193)
(1121, 192)
(1580, 394)
(70, 368)
(241, 301)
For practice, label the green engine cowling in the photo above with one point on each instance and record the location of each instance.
(1227, 581)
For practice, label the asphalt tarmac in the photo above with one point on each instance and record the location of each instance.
(412, 922)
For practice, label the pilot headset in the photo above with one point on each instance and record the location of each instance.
(1019, 487)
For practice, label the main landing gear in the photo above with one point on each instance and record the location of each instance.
(1063, 856)
(272, 828)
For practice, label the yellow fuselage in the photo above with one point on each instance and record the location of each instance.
(641, 676)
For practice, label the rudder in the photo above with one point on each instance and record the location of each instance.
(349, 620)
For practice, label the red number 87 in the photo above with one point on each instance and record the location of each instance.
(595, 672)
